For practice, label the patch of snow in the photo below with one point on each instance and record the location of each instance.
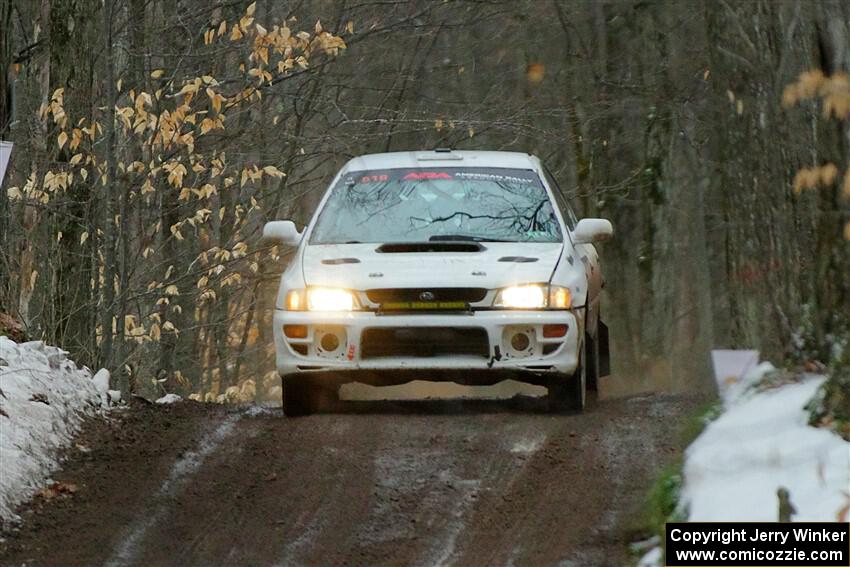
(43, 398)
(652, 558)
(760, 443)
(101, 380)
(262, 410)
(169, 399)
(528, 445)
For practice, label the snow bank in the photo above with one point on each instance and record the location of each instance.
(43, 398)
(169, 399)
(760, 443)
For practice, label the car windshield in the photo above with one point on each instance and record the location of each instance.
(421, 205)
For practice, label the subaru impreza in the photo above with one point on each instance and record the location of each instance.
(468, 266)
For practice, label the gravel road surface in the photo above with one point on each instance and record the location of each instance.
(428, 483)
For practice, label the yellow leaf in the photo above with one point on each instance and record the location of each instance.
(318, 27)
(156, 74)
(236, 34)
(273, 171)
(84, 174)
(222, 27)
(83, 237)
(59, 236)
(251, 8)
(62, 139)
(535, 72)
(349, 26)
(828, 173)
(189, 88)
(207, 295)
(76, 138)
(171, 290)
(33, 278)
(77, 158)
(240, 250)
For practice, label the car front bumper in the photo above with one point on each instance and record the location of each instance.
(494, 332)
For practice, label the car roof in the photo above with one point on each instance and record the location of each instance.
(443, 158)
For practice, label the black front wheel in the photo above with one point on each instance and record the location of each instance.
(303, 395)
(568, 393)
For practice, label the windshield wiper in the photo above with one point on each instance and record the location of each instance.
(463, 238)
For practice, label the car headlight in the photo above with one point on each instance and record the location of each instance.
(321, 299)
(533, 296)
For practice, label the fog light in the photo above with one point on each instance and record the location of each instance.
(330, 342)
(520, 341)
(295, 331)
(554, 331)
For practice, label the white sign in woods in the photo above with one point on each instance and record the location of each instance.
(5, 153)
(732, 365)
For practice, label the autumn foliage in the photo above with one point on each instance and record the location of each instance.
(185, 208)
(834, 94)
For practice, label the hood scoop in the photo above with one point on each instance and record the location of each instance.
(395, 248)
(337, 261)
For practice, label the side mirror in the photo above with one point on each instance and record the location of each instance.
(282, 231)
(589, 231)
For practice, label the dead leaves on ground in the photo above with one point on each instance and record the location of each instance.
(57, 490)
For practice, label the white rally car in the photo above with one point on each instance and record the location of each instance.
(467, 266)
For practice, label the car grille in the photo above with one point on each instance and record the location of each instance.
(465, 294)
(424, 342)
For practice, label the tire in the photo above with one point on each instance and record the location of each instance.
(568, 393)
(302, 395)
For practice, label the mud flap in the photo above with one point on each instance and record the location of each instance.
(604, 352)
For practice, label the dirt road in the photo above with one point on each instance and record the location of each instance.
(417, 484)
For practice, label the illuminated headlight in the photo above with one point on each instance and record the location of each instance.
(321, 299)
(522, 297)
(533, 296)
